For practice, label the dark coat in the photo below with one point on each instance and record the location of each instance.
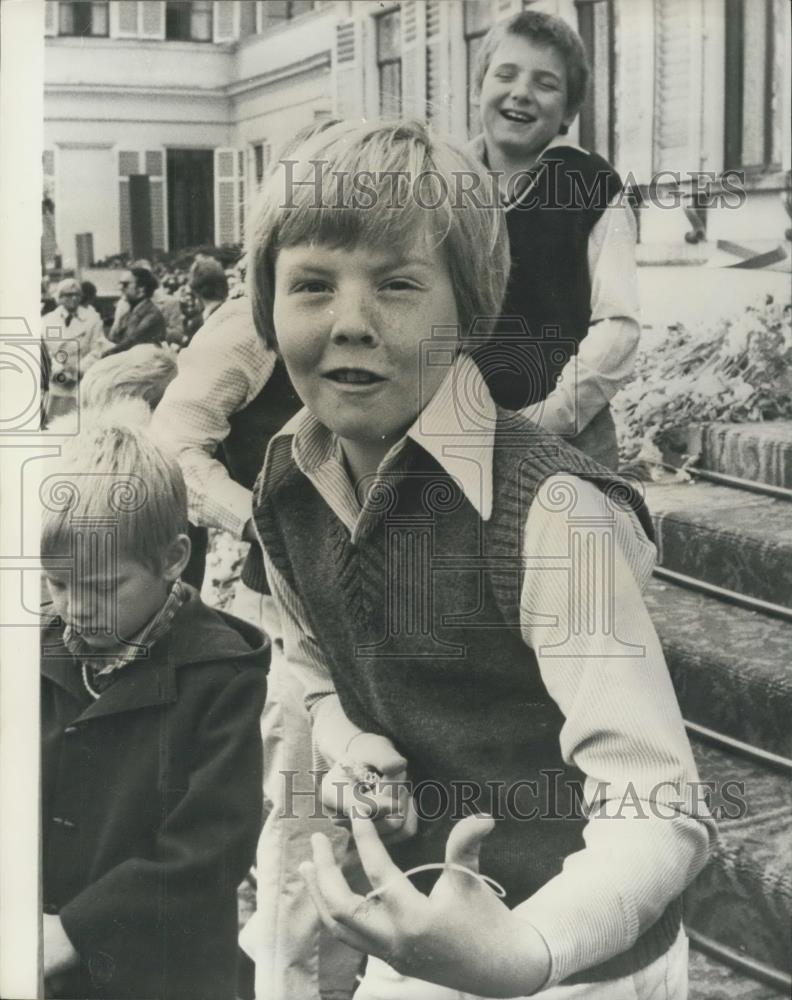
(143, 324)
(151, 808)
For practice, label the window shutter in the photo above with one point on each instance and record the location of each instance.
(634, 89)
(225, 21)
(124, 19)
(413, 55)
(152, 19)
(241, 203)
(128, 163)
(226, 222)
(678, 85)
(348, 79)
(783, 97)
(51, 18)
(49, 244)
(155, 168)
(438, 64)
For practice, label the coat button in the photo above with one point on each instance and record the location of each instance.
(101, 968)
(70, 730)
(62, 821)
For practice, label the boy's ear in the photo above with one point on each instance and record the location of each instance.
(176, 557)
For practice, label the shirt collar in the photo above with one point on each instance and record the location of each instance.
(138, 647)
(456, 427)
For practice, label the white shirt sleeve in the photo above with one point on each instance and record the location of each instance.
(606, 357)
(331, 729)
(602, 663)
(225, 366)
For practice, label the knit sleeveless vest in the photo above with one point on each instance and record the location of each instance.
(549, 287)
(419, 622)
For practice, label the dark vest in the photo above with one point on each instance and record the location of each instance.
(547, 309)
(245, 446)
(419, 622)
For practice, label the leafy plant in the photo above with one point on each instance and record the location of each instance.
(740, 371)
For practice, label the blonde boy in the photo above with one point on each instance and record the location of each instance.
(151, 753)
(414, 533)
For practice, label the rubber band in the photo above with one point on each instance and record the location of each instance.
(496, 887)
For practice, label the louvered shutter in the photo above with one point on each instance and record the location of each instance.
(51, 18)
(152, 19)
(49, 244)
(634, 89)
(155, 168)
(784, 96)
(128, 163)
(438, 83)
(241, 202)
(413, 56)
(678, 86)
(225, 21)
(226, 193)
(124, 19)
(348, 79)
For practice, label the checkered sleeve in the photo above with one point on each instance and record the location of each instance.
(225, 366)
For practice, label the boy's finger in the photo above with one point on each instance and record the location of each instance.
(464, 841)
(340, 931)
(377, 864)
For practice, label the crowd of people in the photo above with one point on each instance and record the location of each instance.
(403, 416)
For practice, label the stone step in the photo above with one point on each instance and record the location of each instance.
(726, 537)
(743, 898)
(714, 980)
(730, 667)
(760, 451)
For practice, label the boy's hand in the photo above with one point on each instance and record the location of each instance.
(59, 952)
(461, 936)
(371, 781)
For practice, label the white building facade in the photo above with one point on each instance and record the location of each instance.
(161, 117)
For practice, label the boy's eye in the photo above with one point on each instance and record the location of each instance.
(55, 585)
(312, 286)
(400, 285)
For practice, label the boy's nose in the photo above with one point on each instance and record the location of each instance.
(352, 324)
(522, 89)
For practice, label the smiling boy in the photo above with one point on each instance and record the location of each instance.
(572, 237)
(411, 529)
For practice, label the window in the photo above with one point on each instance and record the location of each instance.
(595, 26)
(753, 85)
(81, 18)
(276, 11)
(187, 21)
(477, 20)
(389, 62)
(247, 18)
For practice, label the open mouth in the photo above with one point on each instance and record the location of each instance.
(521, 117)
(353, 376)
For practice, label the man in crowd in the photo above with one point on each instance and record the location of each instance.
(74, 337)
(143, 323)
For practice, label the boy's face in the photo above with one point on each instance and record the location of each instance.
(350, 324)
(524, 97)
(107, 604)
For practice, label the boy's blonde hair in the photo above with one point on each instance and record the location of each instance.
(541, 29)
(119, 479)
(383, 185)
(143, 372)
